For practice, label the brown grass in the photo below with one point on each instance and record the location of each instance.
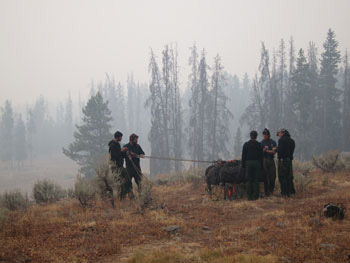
(211, 231)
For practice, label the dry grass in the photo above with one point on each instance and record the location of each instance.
(268, 230)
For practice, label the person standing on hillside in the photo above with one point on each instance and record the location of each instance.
(252, 158)
(269, 148)
(134, 153)
(117, 155)
(285, 150)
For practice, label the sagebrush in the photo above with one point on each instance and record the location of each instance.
(14, 200)
(85, 191)
(46, 191)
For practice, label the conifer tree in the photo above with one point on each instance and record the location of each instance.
(91, 138)
(301, 97)
(20, 142)
(6, 133)
(346, 104)
(330, 98)
(220, 115)
(238, 143)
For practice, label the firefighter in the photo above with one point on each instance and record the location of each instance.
(285, 151)
(134, 153)
(117, 155)
(269, 148)
(252, 158)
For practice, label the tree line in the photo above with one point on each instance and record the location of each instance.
(43, 129)
(306, 93)
(206, 118)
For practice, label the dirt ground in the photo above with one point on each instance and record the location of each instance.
(210, 229)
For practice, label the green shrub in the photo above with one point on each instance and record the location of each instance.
(14, 200)
(46, 191)
(84, 191)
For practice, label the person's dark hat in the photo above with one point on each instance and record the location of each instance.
(266, 131)
(133, 136)
(253, 134)
(118, 134)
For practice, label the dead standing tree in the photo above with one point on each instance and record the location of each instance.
(166, 129)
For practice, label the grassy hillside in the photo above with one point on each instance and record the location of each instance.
(207, 229)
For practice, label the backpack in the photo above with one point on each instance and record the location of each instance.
(334, 211)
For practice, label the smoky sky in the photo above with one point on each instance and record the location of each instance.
(53, 47)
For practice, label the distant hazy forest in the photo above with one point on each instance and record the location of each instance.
(306, 91)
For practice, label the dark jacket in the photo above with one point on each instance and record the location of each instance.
(133, 149)
(116, 153)
(286, 146)
(252, 151)
(270, 144)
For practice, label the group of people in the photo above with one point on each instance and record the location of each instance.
(131, 153)
(258, 162)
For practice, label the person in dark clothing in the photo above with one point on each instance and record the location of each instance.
(117, 155)
(115, 150)
(134, 153)
(269, 148)
(252, 157)
(285, 151)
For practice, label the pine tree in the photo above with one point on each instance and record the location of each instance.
(330, 99)
(346, 104)
(282, 80)
(257, 112)
(193, 84)
(316, 101)
(157, 133)
(114, 94)
(31, 130)
(301, 97)
(6, 133)
(288, 116)
(68, 117)
(131, 103)
(237, 146)
(276, 95)
(203, 115)
(245, 92)
(20, 142)
(219, 113)
(198, 121)
(92, 136)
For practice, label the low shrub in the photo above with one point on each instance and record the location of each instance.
(14, 200)
(194, 178)
(303, 168)
(301, 182)
(145, 194)
(107, 183)
(70, 193)
(85, 191)
(328, 162)
(46, 191)
(345, 160)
